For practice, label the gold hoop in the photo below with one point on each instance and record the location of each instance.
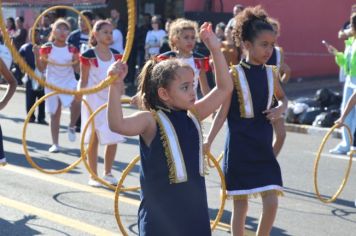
(24, 144)
(57, 64)
(220, 157)
(118, 189)
(87, 22)
(84, 153)
(105, 83)
(316, 165)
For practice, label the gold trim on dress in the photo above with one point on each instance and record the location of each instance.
(243, 91)
(279, 193)
(172, 158)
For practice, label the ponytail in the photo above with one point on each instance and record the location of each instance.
(147, 89)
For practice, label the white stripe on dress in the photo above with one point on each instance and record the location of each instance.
(246, 94)
(174, 148)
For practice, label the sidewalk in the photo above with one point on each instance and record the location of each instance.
(296, 87)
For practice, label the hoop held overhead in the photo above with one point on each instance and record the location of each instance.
(26, 68)
(87, 22)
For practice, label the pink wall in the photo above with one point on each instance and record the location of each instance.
(304, 24)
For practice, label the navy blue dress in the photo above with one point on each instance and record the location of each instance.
(177, 209)
(250, 166)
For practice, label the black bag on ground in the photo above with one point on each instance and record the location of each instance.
(308, 116)
(327, 119)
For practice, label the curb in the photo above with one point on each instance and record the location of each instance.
(312, 130)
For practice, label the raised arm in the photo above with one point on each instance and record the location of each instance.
(209, 103)
(137, 124)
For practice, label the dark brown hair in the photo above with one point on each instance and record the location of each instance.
(249, 23)
(96, 28)
(155, 75)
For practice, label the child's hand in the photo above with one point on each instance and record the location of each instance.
(339, 122)
(330, 48)
(274, 113)
(135, 100)
(206, 147)
(118, 69)
(208, 37)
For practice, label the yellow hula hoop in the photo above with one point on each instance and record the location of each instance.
(84, 152)
(24, 144)
(87, 22)
(217, 159)
(57, 64)
(27, 69)
(117, 194)
(316, 166)
(213, 223)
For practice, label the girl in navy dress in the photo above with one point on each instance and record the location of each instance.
(277, 59)
(250, 166)
(173, 193)
(10, 79)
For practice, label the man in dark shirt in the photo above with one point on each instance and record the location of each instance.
(19, 39)
(33, 90)
(20, 36)
(79, 38)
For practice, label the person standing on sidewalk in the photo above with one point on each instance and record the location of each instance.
(10, 79)
(347, 60)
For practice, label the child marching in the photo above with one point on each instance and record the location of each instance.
(173, 194)
(250, 166)
(94, 65)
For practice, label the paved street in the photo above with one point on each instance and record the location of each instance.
(32, 203)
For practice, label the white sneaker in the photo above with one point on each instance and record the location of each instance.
(337, 151)
(54, 148)
(71, 134)
(94, 183)
(3, 161)
(110, 179)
